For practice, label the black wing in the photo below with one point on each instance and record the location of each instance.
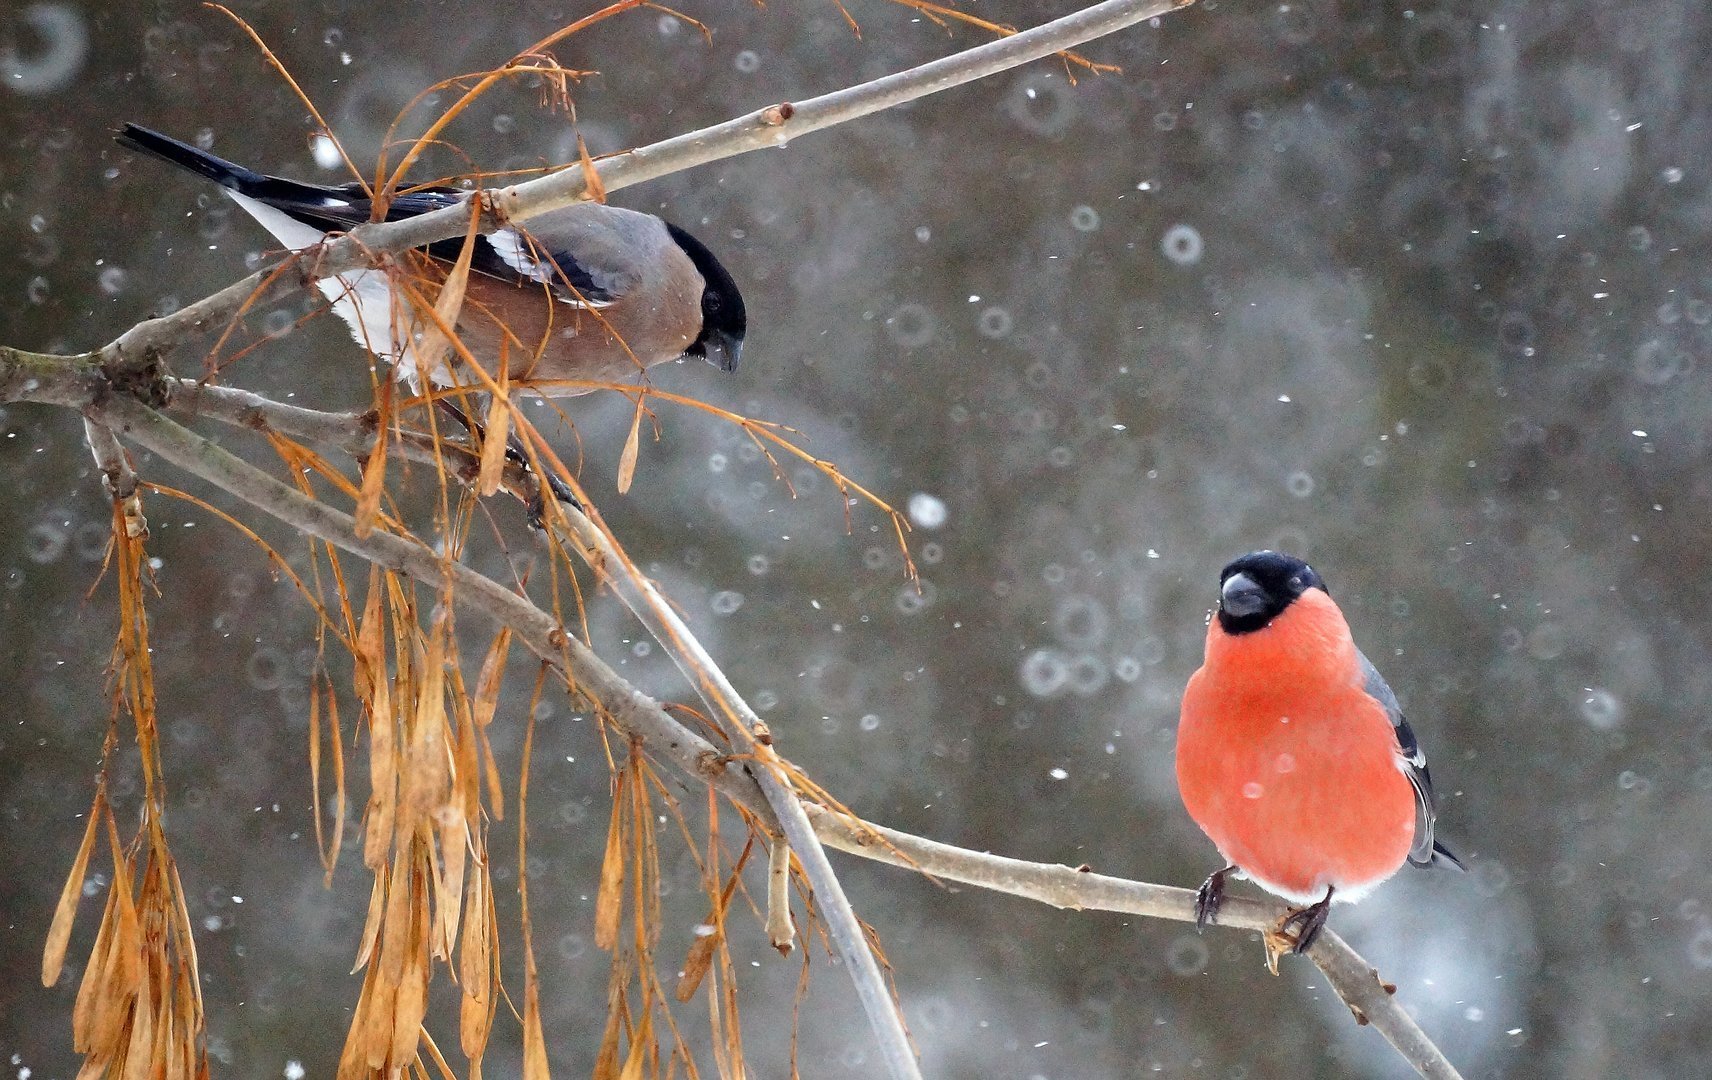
(1425, 850)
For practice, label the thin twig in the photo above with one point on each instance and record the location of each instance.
(780, 931)
(772, 126)
(116, 471)
(1353, 978)
(118, 476)
(664, 737)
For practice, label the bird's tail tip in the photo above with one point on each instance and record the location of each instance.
(1446, 855)
(1437, 855)
(174, 151)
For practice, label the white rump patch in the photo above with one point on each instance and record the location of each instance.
(286, 229)
(363, 298)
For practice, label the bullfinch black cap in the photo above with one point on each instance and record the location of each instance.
(1256, 588)
(724, 321)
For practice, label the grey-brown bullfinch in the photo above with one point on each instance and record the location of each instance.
(588, 293)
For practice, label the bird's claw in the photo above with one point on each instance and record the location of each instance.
(536, 508)
(1209, 898)
(1307, 922)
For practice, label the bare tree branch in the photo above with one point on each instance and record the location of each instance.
(68, 381)
(773, 126)
(1354, 980)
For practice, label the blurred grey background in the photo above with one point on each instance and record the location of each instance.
(1416, 291)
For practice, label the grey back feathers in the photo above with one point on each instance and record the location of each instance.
(619, 250)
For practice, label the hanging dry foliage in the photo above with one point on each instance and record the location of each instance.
(139, 1007)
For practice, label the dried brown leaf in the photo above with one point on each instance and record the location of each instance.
(374, 468)
(395, 935)
(492, 677)
(449, 883)
(172, 1052)
(698, 960)
(495, 791)
(376, 1036)
(606, 1060)
(632, 447)
(330, 852)
(466, 766)
(186, 942)
(641, 1048)
(140, 1046)
(374, 688)
(410, 1004)
(59, 931)
(121, 971)
(591, 175)
(491, 473)
(353, 1059)
(475, 967)
(426, 776)
(534, 1041)
(609, 900)
(89, 989)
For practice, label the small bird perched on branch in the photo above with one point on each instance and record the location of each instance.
(1293, 755)
(586, 293)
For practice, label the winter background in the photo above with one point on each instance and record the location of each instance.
(1416, 291)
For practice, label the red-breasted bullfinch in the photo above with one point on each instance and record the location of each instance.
(1292, 753)
(589, 292)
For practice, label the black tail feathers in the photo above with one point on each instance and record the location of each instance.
(1444, 854)
(186, 156)
(325, 208)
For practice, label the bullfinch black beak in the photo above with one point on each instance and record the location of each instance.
(722, 349)
(1241, 596)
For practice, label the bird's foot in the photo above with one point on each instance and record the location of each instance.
(537, 505)
(1209, 898)
(536, 508)
(1306, 923)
